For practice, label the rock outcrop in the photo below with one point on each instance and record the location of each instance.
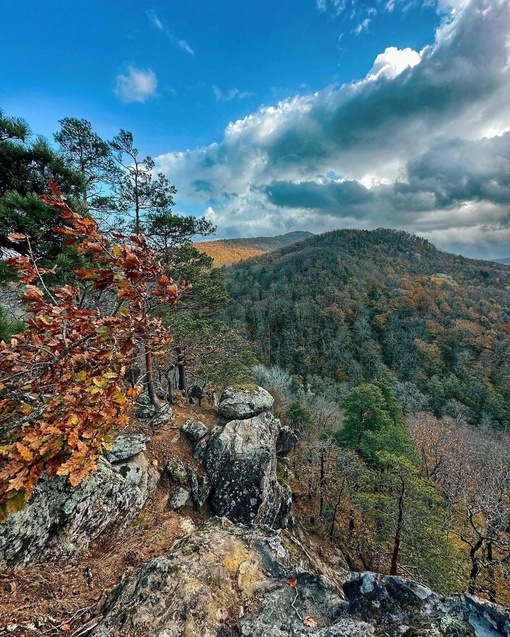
(241, 460)
(227, 580)
(61, 520)
(244, 402)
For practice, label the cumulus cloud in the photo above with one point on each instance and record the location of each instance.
(136, 85)
(393, 62)
(421, 143)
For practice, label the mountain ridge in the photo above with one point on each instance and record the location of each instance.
(227, 251)
(352, 305)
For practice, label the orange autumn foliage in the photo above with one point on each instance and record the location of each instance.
(61, 381)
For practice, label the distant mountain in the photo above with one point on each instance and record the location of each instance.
(505, 261)
(227, 251)
(352, 305)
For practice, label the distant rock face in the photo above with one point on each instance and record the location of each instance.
(226, 580)
(241, 463)
(64, 520)
(239, 403)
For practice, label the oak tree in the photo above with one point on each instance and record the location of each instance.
(61, 380)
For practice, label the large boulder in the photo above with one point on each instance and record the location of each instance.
(244, 402)
(215, 582)
(241, 464)
(229, 580)
(62, 520)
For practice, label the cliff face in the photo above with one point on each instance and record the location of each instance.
(245, 573)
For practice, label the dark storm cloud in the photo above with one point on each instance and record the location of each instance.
(349, 197)
(457, 171)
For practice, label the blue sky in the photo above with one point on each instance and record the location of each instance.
(288, 114)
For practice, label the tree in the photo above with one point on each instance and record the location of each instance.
(373, 422)
(470, 469)
(61, 381)
(85, 152)
(299, 417)
(26, 167)
(138, 191)
(169, 233)
(404, 513)
(13, 128)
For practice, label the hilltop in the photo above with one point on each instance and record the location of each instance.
(354, 305)
(227, 251)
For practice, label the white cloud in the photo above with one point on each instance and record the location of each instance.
(136, 85)
(186, 47)
(362, 26)
(393, 62)
(231, 94)
(338, 6)
(178, 43)
(153, 18)
(408, 145)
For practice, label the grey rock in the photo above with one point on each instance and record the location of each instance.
(136, 472)
(200, 487)
(391, 602)
(177, 472)
(179, 498)
(125, 446)
(194, 430)
(241, 464)
(207, 583)
(286, 441)
(200, 449)
(161, 416)
(62, 520)
(225, 580)
(239, 403)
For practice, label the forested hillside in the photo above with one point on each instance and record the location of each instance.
(227, 251)
(354, 305)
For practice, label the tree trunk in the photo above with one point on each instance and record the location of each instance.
(181, 369)
(491, 573)
(322, 481)
(333, 520)
(475, 567)
(398, 530)
(149, 378)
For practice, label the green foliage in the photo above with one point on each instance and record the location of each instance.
(374, 423)
(86, 153)
(299, 417)
(9, 327)
(26, 167)
(406, 515)
(137, 190)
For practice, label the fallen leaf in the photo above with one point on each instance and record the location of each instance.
(309, 621)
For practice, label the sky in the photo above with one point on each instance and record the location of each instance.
(282, 115)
